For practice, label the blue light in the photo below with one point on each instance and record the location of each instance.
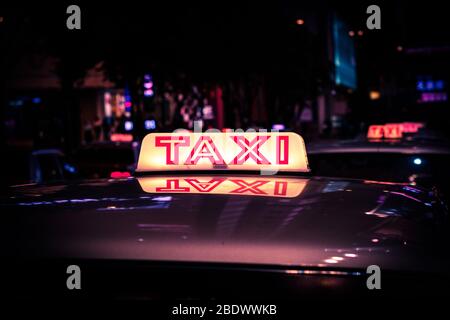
(420, 86)
(128, 125)
(36, 100)
(344, 55)
(430, 85)
(150, 124)
(417, 161)
(278, 126)
(69, 168)
(439, 85)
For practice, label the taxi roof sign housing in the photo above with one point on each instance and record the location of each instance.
(242, 151)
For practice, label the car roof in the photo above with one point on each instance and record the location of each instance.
(362, 222)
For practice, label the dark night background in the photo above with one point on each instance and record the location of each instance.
(255, 57)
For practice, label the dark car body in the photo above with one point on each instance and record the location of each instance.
(101, 159)
(49, 165)
(134, 243)
(415, 162)
(38, 166)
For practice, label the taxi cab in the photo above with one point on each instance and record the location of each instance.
(220, 215)
(394, 152)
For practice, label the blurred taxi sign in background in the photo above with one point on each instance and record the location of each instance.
(375, 132)
(251, 151)
(252, 186)
(412, 127)
(393, 130)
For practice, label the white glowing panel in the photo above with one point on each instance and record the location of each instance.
(280, 151)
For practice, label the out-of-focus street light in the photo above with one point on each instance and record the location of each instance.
(128, 125)
(374, 95)
(351, 33)
(300, 22)
(360, 33)
(399, 48)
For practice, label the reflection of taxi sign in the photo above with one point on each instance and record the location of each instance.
(252, 186)
(281, 151)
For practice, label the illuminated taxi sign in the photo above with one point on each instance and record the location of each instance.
(412, 127)
(251, 186)
(223, 150)
(393, 130)
(375, 132)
